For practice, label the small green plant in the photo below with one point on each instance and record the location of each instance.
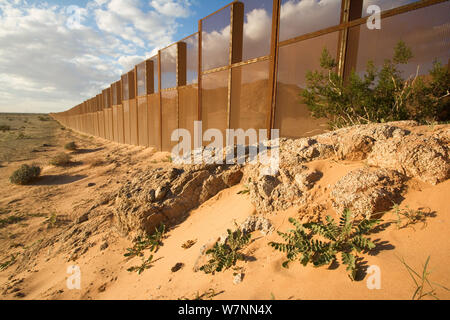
(408, 217)
(422, 282)
(21, 136)
(225, 255)
(8, 263)
(71, 146)
(319, 243)
(61, 160)
(5, 128)
(25, 174)
(246, 190)
(379, 95)
(51, 220)
(146, 264)
(152, 242)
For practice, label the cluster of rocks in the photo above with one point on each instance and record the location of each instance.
(392, 154)
(166, 195)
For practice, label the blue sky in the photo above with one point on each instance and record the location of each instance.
(55, 54)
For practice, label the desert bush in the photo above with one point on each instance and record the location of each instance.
(225, 255)
(152, 242)
(43, 118)
(379, 95)
(60, 160)
(25, 174)
(307, 242)
(5, 128)
(71, 146)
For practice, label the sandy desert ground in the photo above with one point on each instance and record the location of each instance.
(44, 211)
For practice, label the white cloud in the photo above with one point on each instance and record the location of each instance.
(50, 65)
(171, 8)
(303, 16)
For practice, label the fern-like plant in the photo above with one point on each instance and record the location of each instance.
(319, 244)
(225, 255)
(146, 264)
(152, 242)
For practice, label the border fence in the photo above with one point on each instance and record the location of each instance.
(246, 66)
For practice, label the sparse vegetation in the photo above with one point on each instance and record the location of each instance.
(25, 174)
(246, 190)
(146, 264)
(424, 287)
(71, 146)
(379, 95)
(319, 243)
(225, 255)
(61, 160)
(151, 242)
(408, 217)
(5, 128)
(43, 118)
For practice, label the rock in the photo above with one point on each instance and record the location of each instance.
(266, 185)
(91, 184)
(160, 193)
(82, 218)
(257, 222)
(354, 147)
(104, 246)
(238, 277)
(166, 195)
(366, 192)
(177, 267)
(426, 158)
(306, 180)
(102, 288)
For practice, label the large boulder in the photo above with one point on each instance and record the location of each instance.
(166, 195)
(416, 156)
(366, 192)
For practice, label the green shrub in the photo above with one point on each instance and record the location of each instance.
(25, 174)
(71, 146)
(379, 95)
(319, 243)
(60, 160)
(5, 128)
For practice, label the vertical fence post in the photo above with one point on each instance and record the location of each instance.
(236, 47)
(349, 38)
(273, 67)
(160, 100)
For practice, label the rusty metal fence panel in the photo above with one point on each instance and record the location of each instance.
(154, 120)
(246, 67)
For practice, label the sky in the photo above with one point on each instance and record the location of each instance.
(56, 54)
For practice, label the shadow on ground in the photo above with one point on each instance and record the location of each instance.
(52, 180)
(86, 151)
